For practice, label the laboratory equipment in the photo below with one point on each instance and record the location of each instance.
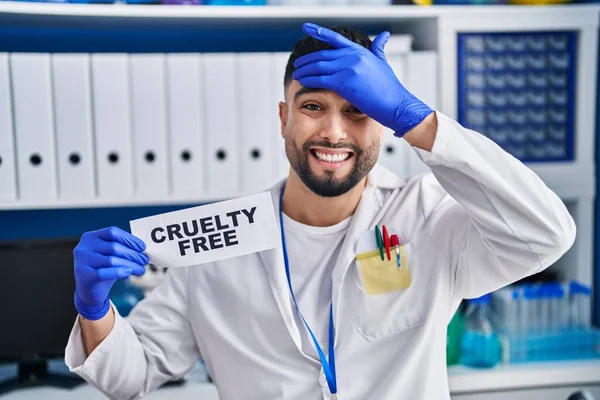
(552, 322)
(37, 290)
(580, 304)
(480, 345)
(505, 309)
(456, 330)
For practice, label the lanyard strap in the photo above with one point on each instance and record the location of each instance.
(328, 367)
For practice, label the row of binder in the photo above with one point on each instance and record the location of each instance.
(156, 126)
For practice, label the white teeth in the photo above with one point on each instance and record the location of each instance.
(338, 157)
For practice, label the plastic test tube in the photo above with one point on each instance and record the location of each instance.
(585, 306)
(532, 307)
(563, 307)
(502, 309)
(544, 307)
(521, 337)
(513, 310)
(555, 311)
(582, 301)
(579, 301)
(562, 320)
(516, 321)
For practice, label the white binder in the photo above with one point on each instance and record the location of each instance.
(73, 122)
(282, 165)
(422, 81)
(34, 126)
(149, 124)
(112, 125)
(393, 152)
(8, 179)
(256, 99)
(222, 136)
(186, 124)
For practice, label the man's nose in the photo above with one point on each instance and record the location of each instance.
(334, 129)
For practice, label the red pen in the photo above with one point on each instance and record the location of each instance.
(386, 242)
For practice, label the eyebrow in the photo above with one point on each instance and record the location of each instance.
(306, 90)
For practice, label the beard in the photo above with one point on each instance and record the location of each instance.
(329, 185)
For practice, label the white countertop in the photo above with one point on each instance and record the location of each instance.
(462, 380)
(524, 376)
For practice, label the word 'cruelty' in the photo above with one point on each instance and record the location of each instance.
(204, 234)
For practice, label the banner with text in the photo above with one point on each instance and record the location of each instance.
(211, 232)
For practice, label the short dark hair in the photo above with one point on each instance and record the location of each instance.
(308, 45)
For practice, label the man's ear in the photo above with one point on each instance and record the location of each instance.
(283, 116)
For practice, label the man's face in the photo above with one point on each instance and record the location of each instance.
(330, 144)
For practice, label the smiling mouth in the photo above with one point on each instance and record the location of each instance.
(333, 158)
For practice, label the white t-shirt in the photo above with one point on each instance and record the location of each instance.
(312, 253)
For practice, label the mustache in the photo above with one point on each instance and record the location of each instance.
(325, 144)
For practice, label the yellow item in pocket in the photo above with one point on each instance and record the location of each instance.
(383, 276)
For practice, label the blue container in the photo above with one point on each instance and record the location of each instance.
(480, 345)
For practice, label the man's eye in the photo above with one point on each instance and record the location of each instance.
(355, 110)
(312, 107)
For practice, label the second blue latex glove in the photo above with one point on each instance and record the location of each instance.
(363, 77)
(100, 258)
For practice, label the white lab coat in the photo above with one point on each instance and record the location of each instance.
(482, 220)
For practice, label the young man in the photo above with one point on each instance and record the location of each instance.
(480, 221)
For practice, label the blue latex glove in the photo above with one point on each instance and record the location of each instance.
(100, 258)
(361, 76)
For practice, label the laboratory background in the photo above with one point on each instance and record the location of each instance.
(115, 111)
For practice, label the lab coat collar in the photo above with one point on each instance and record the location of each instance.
(365, 218)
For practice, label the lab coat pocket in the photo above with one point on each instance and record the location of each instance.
(383, 276)
(390, 300)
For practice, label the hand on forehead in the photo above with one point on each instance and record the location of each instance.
(362, 76)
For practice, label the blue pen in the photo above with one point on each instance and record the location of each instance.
(396, 243)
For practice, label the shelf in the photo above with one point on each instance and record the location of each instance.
(114, 202)
(363, 13)
(523, 376)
